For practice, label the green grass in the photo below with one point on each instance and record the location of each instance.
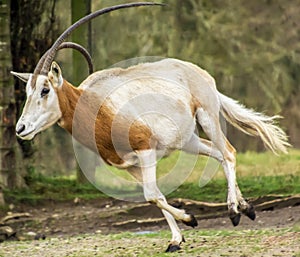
(42, 188)
(258, 174)
(252, 187)
(248, 164)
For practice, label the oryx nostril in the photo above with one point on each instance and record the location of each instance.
(20, 128)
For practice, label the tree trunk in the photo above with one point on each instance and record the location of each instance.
(33, 29)
(9, 174)
(82, 36)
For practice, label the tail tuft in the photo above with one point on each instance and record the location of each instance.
(255, 124)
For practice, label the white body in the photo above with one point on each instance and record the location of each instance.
(154, 94)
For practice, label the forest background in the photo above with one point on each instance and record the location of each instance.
(251, 48)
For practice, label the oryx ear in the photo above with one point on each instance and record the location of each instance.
(54, 75)
(22, 76)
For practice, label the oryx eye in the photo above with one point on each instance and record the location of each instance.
(45, 91)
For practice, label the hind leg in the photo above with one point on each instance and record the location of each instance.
(244, 206)
(201, 146)
(220, 149)
(204, 147)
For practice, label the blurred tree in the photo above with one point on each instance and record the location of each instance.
(32, 29)
(9, 159)
(32, 32)
(82, 35)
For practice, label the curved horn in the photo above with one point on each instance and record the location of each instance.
(43, 66)
(82, 50)
(73, 45)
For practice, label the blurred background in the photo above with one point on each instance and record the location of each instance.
(251, 48)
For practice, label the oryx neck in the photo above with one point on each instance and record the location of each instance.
(68, 96)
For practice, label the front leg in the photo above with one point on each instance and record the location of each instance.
(152, 194)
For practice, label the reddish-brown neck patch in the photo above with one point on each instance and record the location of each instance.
(68, 96)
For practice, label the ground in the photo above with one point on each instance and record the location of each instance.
(92, 228)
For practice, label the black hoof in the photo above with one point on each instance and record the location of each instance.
(192, 223)
(235, 218)
(250, 212)
(172, 248)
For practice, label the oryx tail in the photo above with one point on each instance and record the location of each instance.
(255, 124)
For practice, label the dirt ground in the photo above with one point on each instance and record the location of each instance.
(107, 216)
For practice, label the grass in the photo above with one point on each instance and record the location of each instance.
(251, 187)
(42, 188)
(204, 242)
(258, 174)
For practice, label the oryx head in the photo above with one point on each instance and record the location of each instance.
(42, 109)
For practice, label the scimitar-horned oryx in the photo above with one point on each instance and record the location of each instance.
(155, 108)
